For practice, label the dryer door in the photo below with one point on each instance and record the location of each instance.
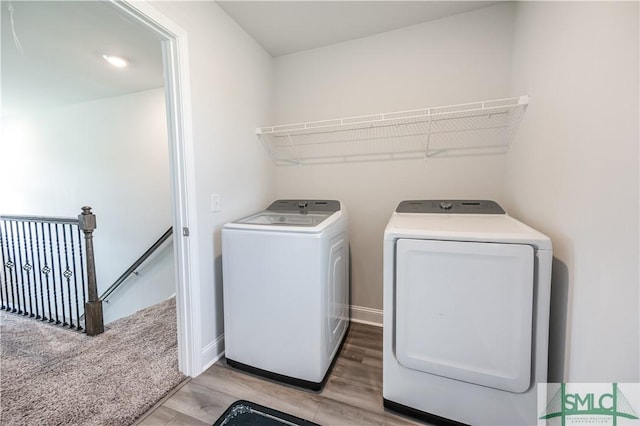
(464, 311)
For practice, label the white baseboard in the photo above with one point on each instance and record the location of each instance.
(213, 352)
(364, 315)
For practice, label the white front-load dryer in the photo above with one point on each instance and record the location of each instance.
(466, 313)
(286, 290)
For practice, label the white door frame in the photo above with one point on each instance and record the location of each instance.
(179, 126)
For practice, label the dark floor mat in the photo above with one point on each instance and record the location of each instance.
(245, 413)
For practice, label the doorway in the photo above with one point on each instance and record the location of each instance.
(177, 95)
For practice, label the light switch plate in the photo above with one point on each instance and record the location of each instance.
(215, 202)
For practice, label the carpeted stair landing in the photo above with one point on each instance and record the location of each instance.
(51, 376)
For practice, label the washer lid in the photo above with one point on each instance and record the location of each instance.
(295, 216)
(285, 219)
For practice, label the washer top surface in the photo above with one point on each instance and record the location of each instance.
(285, 219)
(306, 216)
(488, 225)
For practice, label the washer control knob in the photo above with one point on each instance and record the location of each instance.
(445, 205)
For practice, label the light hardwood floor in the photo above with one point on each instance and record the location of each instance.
(352, 395)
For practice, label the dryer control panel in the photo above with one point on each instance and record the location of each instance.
(450, 206)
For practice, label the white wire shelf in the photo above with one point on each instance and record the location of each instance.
(478, 128)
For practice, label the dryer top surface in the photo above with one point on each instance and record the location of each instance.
(493, 228)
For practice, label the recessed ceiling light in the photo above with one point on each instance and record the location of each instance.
(116, 61)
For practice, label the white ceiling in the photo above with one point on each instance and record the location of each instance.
(63, 41)
(62, 62)
(283, 27)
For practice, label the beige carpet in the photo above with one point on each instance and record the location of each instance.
(51, 376)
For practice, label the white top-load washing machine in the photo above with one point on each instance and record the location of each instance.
(286, 290)
(466, 313)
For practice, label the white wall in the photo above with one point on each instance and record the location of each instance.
(110, 154)
(459, 59)
(573, 173)
(230, 78)
(153, 282)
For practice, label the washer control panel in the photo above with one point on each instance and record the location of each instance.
(450, 206)
(305, 206)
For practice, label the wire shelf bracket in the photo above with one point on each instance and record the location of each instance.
(477, 128)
